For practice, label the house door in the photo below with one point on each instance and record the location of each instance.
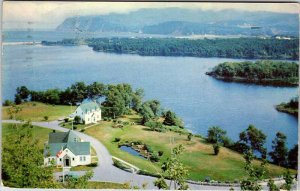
(67, 161)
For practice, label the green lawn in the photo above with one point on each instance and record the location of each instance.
(198, 156)
(36, 111)
(107, 185)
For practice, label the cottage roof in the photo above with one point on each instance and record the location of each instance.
(62, 140)
(63, 137)
(89, 106)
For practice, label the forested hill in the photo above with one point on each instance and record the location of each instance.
(179, 21)
(250, 48)
(260, 72)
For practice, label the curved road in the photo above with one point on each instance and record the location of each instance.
(105, 171)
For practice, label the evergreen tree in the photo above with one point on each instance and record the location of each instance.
(280, 151)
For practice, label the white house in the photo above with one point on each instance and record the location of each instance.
(66, 149)
(89, 112)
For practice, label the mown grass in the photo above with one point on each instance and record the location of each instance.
(36, 111)
(106, 185)
(198, 156)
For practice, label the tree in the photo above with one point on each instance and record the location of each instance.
(7, 103)
(22, 162)
(137, 99)
(293, 157)
(272, 186)
(253, 139)
(172, 120)
(280, 151)
(81, 182)
(189, 137)
(13, 110)
(77, 119)
(23, 92)
(18, 99)
(96, 90)
(215, 135)
(255, 174)
(216, 148)
(78, 92)
(174, 170)
(288, 180)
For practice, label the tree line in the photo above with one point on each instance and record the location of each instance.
(253, 140)
(120, 99)
(259, 71)
(250, 48)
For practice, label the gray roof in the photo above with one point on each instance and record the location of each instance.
(89, 106)
(63, 140)
(63, 137)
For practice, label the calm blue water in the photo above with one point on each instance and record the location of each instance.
(179, 83)
(130, 151)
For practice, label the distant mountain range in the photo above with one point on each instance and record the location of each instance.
(177, 21)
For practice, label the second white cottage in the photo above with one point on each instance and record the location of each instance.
(89, 112)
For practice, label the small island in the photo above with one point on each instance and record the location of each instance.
(265, 72)
(291, 107)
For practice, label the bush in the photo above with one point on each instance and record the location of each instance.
(77, 119)
(143, 172)
(160, 153)
(46, 118)
(117, 139)
(154, 157)
(105, 119)
(114, 120)
(216, 149)
(82, 130)
(189, 137)
(7, 103)
(93, 164)
(74, 127)
(66, 120)
(125, 123)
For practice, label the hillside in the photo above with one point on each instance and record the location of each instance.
(156, 21)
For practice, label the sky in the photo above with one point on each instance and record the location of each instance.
(48, 15)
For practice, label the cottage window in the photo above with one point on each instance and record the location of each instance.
(84, 158)
(80, 158)
(73, 158)
(60, 159)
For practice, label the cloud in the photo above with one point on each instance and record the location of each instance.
(49, 14)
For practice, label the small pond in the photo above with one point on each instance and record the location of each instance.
(130, 151)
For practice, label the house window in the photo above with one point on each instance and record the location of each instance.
(74, 139)
(84, 158)
(73, 158)
(60, 159)
(48, 159)
(80, 158)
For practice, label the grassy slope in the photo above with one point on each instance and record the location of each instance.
(106, 185)
(198, 155)
(37, 132)
(36, 111)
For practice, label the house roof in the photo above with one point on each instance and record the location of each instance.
(77, 148)
(62, 140)
(89, 106)
(63, 137)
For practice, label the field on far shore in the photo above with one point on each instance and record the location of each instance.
(36, 111)
(198, 156)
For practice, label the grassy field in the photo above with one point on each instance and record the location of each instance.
(36, 111)
(198, 156)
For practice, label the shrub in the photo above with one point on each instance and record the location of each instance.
(154, 158)
(7, 103)
(189, 137)
(216, 149)
(117, 139)
(77, 119)
(74, 127)
(93, 164)
(114, 120)
(125, 123)
(66, 120)
(160, 153)
(82, 130)
(46, 118)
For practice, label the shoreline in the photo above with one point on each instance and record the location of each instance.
(20, 43)
(265, 82)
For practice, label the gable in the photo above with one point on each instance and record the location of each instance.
(63, 137)
(77, 148)
(88, 107)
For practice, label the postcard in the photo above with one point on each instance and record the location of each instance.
(150, 95)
